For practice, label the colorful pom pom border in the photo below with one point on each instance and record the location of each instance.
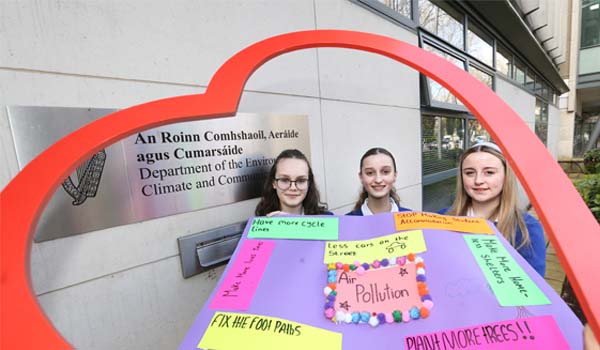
(373, 318)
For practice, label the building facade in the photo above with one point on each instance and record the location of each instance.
(122, 287)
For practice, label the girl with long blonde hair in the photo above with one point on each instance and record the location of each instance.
(486, 187)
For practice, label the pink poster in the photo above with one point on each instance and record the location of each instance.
(237, 289)
(520, 334)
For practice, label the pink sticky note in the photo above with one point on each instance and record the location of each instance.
(238, 287)
(519, 334)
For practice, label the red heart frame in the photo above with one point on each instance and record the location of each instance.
(560, 208)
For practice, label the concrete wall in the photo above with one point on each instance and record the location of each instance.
(121, 288)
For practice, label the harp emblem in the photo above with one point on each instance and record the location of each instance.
(88, 179)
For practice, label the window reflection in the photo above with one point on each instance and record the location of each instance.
(482, 76)
(443, 143)
(541, 120)
(477, 132)
(480, 45)
(519, 71)
(445, 22)
(436, 91)
(403, 7)
(503, 61)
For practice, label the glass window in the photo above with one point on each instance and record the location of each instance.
(530, 80)
(445, 22)
(403, 7)
(590, 23)
(480, 45)
(541, 120)
(439, 195)
(436, 91)
(482, 76)
(503, 61)
(477, 132)
(519, 71)
(443, 143)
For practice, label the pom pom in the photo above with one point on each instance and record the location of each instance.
(411, 257)
(385, 262)
(418, 259)
(401, 260)
(420, 264)
(332, 286)
(360, 271)
(331, 297)
(425, 297)
(428, 304)
(421, 278)
(339, 265)
(333, 292)
(352, 267)
(373, 321)
(364, 317)
(397, 316)
(348, 318)
(406, 316)
(329, 313)
(424, 312)
(392, 261)
(376, 264)
(414, 313)
(340, 316)
(331, 279)
(423, 292)
(331, 266)
(365, 266)
(420, 271)
(346, 268)
(389, 318)
(327, 291)
(355, 317)
(329, 305)
(381, 318)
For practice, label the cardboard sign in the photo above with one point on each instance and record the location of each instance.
(415, 220)
(237, 289)
(520, 334)
(245, 331)
(511, 285)
(378, 290)
(314, 228)
(397, 244)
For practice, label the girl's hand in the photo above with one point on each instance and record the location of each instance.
(589, 341)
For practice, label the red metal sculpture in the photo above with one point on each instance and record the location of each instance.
(572, 229)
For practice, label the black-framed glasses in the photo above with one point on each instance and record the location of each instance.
(284, 184)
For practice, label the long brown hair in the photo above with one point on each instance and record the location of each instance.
(364, 194)
(509, 215)
(270, 202)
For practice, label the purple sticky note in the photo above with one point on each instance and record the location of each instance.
(523, 333)
(237, 289)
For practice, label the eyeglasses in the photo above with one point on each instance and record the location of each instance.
(284, 184)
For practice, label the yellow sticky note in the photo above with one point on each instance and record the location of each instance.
(394, 245)
(414, 220)
(228, 330)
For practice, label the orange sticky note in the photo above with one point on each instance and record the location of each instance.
(416, 220)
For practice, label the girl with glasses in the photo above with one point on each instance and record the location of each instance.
(377, 174)
(487, 188)
(290, 188)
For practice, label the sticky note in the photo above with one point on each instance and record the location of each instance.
(415, 220)
(246, 331)
(313, 228)
(540, 332)
(242, 279)
(511, 285)
(394, 245)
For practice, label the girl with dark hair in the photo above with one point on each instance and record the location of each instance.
(377, 174)
(291, 188)
(486, 187)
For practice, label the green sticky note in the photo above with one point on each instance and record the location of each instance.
(295, 228)
(511, 285)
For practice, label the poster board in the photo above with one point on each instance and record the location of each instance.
(291, 288)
